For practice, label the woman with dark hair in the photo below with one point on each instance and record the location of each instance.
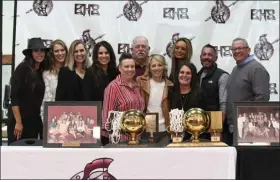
(122, 94)
(27, 92)
(186, 93)
(102, 71)
(70, 77)
(181, 54)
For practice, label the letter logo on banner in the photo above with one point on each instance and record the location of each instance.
(171, 13)
(89, 41)
(220, 12)
(260, 14)
(272, 88)
(123, 48)
(132, 10)
(83, 9)
(264, 49)
(42, 7)
(95, 170)
(225, 51)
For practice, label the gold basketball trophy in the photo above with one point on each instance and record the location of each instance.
(133, 122)
(196, 121)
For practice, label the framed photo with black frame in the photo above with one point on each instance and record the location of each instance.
(256, 124)
(72, 124)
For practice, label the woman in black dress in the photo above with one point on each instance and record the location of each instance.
(70, 77)
(27, 92)
(102, 71)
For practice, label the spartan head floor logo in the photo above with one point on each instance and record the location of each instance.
(264, 49)
(95, 170)
(132, 10)
(170, 45)
(220, 13)
(89, 41)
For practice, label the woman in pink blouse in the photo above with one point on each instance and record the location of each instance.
(121, 94)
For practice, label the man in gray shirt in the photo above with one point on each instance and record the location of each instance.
(249, 80)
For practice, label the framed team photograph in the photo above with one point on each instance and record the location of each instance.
(256, 124)
(74, 124)
(152, 122)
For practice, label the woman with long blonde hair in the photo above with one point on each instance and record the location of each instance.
(56, 59)
(70, 77)
(181, 54)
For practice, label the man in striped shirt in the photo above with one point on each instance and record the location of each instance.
(140, 53)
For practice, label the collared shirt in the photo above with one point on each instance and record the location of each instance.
(140, 70)
(120, 97)
(247, 60)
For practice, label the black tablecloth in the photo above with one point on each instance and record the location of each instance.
(258, 163)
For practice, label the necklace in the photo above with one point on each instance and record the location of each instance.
(183, 97)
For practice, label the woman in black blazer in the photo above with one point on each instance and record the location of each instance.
(70, 77)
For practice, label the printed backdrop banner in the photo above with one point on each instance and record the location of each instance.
(162, 22)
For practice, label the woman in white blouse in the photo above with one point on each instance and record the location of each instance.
(57, 56)
(154, 89)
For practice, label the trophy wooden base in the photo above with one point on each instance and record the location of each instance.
(197, 144)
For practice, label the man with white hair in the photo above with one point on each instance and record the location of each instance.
(249, 80)
(140, 52)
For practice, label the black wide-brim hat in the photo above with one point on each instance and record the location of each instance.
(35, 43)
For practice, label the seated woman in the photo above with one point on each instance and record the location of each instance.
(154, 89)
(122, 94)
(186, 93)
(70, 77)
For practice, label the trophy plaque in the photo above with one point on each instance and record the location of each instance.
(196, 121)
(133, 122)
(216, 128)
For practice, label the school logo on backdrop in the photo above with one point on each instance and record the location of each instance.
(264, 49)
(223, 50)
(123, 48)
(263, 14)
(42, 7)
(220, 13)
(169, 47)
(175, 13)
(86, 9)
(273, 88)
(132, 10)
(95, 170)
(89, 41)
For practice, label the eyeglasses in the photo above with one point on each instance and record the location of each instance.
(238, 49)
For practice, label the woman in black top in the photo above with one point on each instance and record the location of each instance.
(70, 77)
(27, 92)
(102, 71)
(186, 93)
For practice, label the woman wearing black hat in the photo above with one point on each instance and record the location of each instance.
(27, 92)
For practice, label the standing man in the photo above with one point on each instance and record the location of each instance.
(213, 82)
(249, 80)
(140, 52)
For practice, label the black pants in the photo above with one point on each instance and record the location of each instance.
(32, 127)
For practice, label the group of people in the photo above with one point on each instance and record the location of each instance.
(70, 127)
(139, 81)
(258, 127)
